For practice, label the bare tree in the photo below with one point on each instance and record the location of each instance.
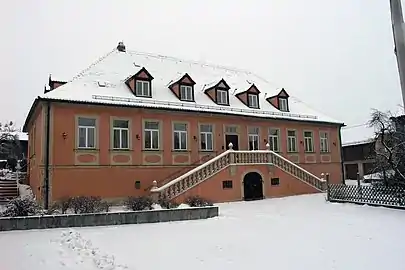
(390, 147)
(10, 147)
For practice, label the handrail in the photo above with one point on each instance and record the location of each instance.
(191, 172)
(295, 165)
(178, 172)
(174, 181)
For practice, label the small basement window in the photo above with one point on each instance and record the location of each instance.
(275, 181)
(227, 184)
(186, 92)
(283, 104)
(137, 184)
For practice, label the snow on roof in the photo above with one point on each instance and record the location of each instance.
(359, 142)
(357, 135)
(116, 67)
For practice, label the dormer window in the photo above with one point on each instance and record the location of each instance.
(143, 88)
(140, 83)
(222, 97)
(186, 93)
(253, 101)
(283, 104)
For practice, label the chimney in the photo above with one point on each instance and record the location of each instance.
(121, 46)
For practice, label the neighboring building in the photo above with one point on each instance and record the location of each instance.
(358, 158)
(134, 118)
(23, 144)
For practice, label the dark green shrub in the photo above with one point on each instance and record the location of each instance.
(139, 203)
(21, 207)
(83, 204)
(166, 203)
(197, 201)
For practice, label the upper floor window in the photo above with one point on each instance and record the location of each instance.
(253, 100)
(87, 132)
(151, 135)
(274, 139)
(253, 138)
(324, 141)
(180, 136)
(186, 92)
(308, 141)
(222, 97)
(283, 104)
(291, 141)
(143, 88)
(206, 137)
(120, 134)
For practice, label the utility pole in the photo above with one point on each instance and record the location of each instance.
(397, 20)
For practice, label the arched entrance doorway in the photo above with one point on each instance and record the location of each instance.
(253, 186)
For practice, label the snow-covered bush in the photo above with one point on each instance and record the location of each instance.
(139, 203)
(197, 201)
(83, 204)
(166, 203)
(103, 206)
(21, 207)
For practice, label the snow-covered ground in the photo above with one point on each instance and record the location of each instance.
(302, 232)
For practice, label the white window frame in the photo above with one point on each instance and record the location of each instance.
(186, 92)
(253, 100)
(152, 131)
(120, 130)
(283, 104)
(86, 129)
(274, 140)
(206, 135)
(309, 142)
(142, 92)
(254, 138)
(179, 135)
(222, 97)
(292, 142)
(324, 141)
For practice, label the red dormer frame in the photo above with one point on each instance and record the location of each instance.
(277, 99)
(212, 92)
(187, 83)
(140, 79)
(245, 97)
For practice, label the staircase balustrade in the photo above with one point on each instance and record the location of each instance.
(204, 171)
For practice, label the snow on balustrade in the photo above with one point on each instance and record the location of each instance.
(231, 157)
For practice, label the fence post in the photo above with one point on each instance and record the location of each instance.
(358, 184)
(327, 187)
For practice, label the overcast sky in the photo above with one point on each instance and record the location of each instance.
(335, 55)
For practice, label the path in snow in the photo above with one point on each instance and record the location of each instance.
(302, 232)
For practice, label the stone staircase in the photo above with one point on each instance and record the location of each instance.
(203, 172)
(8, 188)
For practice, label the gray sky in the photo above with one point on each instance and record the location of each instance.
(335, 55)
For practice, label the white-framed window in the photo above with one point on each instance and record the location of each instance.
(253, 134)
(206, 137)
(180, 136)
(253, 101)
(186, 92)
(309, 141)
(120, 134)
(87, 132)
(283, 104)
(291, 141)
(151, 135)
(274, 139)
(324, 141)
(222, 97)
(143, 88)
